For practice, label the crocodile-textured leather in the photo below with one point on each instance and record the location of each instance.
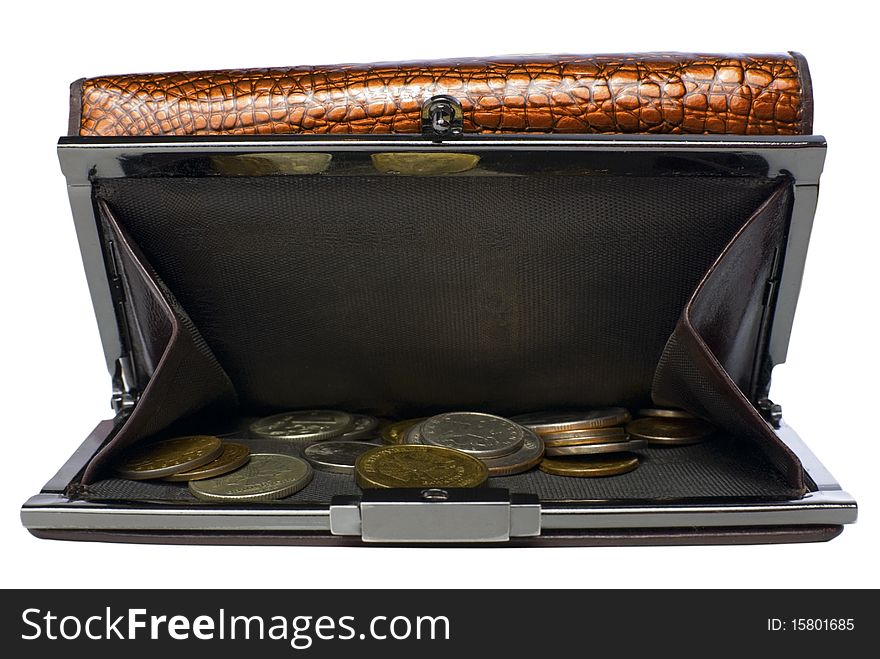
(648, 93)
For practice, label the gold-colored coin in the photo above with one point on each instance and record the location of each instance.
(167, 457)
(666, 413)
(424, 164)
(590, 467)
(232, 457)
(671, 432)
(266, 477)
(394, 433)
(418, 466)
(585, 436)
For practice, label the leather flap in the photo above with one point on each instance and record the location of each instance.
(732, 94)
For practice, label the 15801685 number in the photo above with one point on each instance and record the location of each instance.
(822, 624)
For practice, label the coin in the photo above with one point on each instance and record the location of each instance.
(475, 433)
(336, 455)
(232, 457)
(412, 435)
(418, 466)
(265, 477)
(362, 427)
(304, 425)
(596, 449)
(667, 413)
(590, 467)
(393, 433)
(168, 457)
(542, 422)
(586, 436)
(672, 432)
(516, 463)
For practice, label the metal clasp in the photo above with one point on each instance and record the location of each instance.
(436, 515)
(442, 117)
(770, 411)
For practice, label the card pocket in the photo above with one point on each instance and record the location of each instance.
(180, 374)
(709, 360)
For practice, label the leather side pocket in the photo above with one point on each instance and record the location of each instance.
(708, 361)
(182, 375)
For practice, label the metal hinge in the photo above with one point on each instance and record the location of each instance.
(125, 393)
(436, 515)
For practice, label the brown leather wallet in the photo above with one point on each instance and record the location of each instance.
(494, 256)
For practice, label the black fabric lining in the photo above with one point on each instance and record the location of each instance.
(403, 296)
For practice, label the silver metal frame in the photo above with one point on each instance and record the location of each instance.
(466, 518)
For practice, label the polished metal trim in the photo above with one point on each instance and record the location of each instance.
(58, 513)
(825, 508)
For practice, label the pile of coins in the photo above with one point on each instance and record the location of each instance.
(454, 449)
(215, 470)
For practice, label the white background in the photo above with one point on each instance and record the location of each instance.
(55, 387)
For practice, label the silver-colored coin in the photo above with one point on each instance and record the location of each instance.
(542, 422)
(267, 476)
(527, 457)
(362, 427)
(475, 433)
(667, 413)
(412, 435)
(304, 425)
(337, 456)
(597, 449)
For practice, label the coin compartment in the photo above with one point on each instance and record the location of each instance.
(402, 297)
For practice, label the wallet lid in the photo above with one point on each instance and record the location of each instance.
(681, 93)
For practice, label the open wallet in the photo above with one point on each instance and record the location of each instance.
(504, 236)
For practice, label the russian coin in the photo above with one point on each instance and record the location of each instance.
(587, 436)
(475, 433)
(671, 432)
(525, 458)
(305, 425)
(336, 455)
(168, 457)
(596, 449)
(265, 477)
(667, 413)
(362, 427)
(543, 422)
(232, 457)
(590, 467)
(393, 433)
(418, 466)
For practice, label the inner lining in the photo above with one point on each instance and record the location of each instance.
(407, 296)
(402, 296)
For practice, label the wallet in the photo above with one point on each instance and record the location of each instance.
(502, 235)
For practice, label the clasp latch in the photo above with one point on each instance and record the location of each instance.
(436, 515)
(442, 117)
